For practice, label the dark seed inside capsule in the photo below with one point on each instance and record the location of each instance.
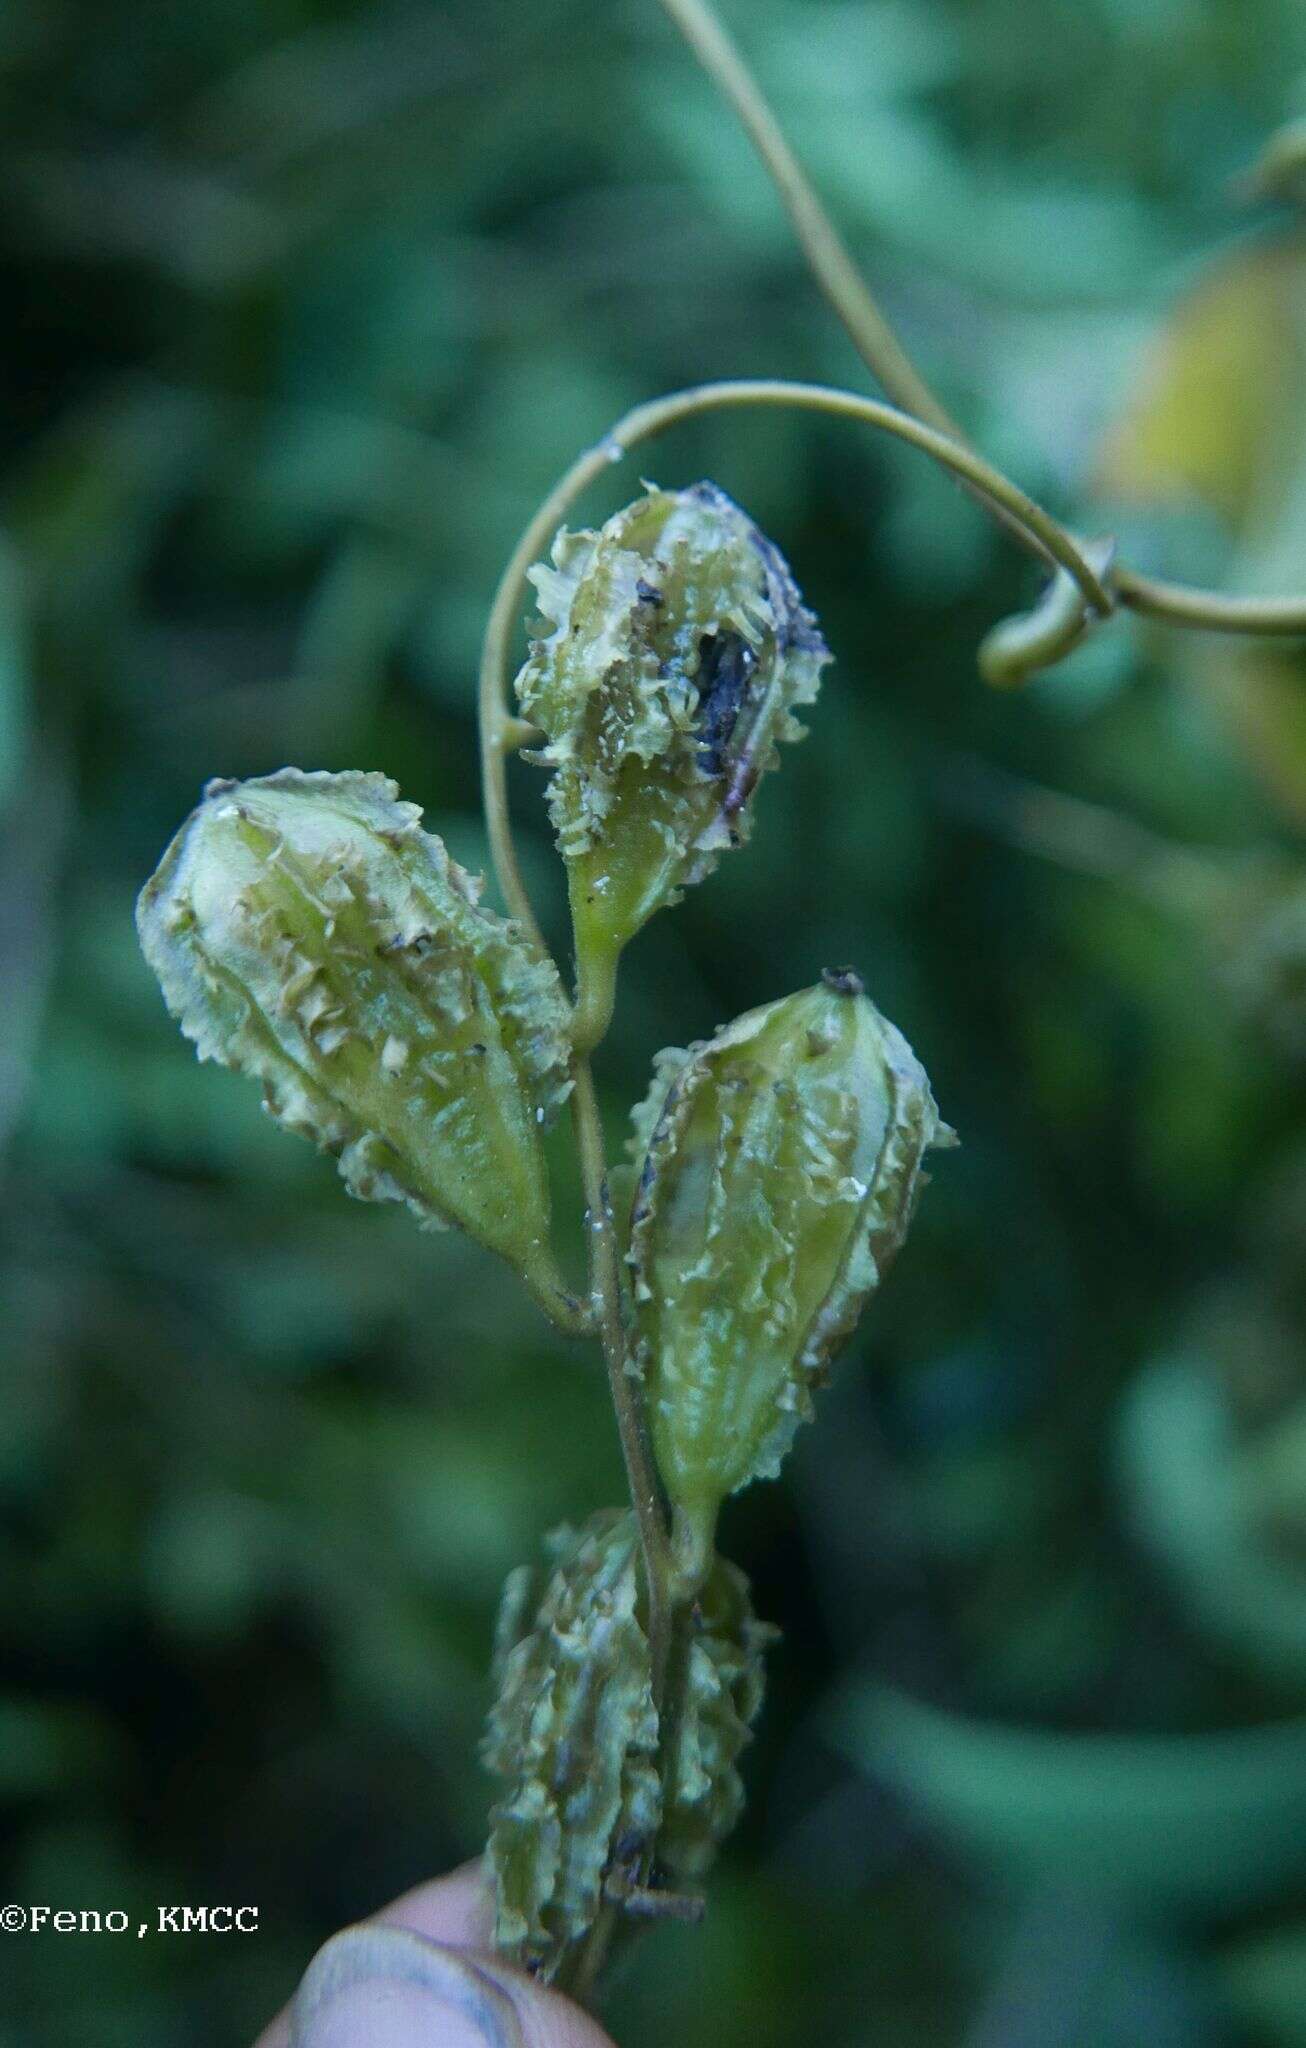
(725, 669)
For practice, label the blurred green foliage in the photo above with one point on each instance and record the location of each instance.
(306, 305)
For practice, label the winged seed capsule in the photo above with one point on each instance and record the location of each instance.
(722, 1699)
(671, 652)
(780, 1167)
(304, 929)
(574, 1735)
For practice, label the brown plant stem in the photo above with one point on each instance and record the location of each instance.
(605, 1268)
(580, 1974)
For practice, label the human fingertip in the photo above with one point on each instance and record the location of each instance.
(385, 1987)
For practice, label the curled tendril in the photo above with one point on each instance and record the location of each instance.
(1280, 173)
(1018, 647)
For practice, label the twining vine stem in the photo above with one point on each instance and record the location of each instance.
(501, 731)
(827, 258)
(838, 277)
(1179, 604)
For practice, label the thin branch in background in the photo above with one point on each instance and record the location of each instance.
(1087, 838)
(844, 287)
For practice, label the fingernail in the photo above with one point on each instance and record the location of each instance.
(382, 1987)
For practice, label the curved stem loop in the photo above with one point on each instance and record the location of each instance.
(1040, 532)
(1018, 647)
(828, 260)
(842, 284)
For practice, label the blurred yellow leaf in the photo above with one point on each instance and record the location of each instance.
(1218, 424)
(1220, 378)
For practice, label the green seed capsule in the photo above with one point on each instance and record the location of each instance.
(672, 650)
(723, 1645)
(304, 929)
(574, 1734)
(780, 1167)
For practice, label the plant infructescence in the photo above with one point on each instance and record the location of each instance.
(306, 930)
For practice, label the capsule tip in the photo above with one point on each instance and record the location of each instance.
(843, 981)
